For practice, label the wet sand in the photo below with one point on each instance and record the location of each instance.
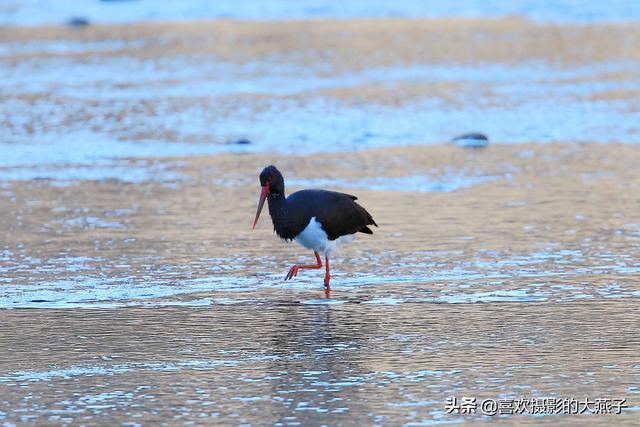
(133, 289)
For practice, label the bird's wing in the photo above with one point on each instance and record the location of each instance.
(340, 215)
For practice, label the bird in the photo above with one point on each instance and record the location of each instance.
(319, 220)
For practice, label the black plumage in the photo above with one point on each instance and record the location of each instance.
(336, 213)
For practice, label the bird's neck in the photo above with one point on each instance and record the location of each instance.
(277, 203)
(279, 215)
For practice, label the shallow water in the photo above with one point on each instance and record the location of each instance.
(133, 291)
(298, 364)
(34, 12)
(535, 103)
(134, 303)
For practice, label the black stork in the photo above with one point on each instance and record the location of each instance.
(319, 220)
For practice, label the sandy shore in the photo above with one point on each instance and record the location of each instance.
(357, 44)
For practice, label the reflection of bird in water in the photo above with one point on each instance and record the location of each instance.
(320, 348)
(319, 220)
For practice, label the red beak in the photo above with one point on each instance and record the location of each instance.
(263, 196)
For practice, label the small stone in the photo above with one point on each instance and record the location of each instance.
(78, 21)
(241, 141)
(471, 140)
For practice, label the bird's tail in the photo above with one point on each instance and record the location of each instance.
(370, 221)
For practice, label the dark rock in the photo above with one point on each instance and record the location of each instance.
(241, 141)
(471, 140)
(78, 21)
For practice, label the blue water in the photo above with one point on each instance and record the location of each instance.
(37, 12)
(72, 282)
(532, 102)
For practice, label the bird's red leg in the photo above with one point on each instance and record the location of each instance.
(293, 272)
(327, 275)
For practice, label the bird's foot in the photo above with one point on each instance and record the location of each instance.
(293, 272)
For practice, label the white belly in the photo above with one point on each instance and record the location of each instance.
(315, 238)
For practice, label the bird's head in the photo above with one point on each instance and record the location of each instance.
(272, 184)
